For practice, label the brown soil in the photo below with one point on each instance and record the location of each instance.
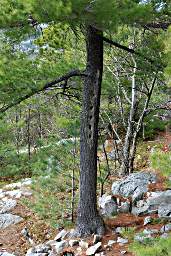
(11, 239)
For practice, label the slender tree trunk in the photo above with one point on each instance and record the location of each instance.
(17, 134)
(139, 125)
(39, 124)
(28, 134)
(129, 134)
(88, 219)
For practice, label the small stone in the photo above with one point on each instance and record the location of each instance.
(79, 249)
(93, 249)
(166, 228)
(83, 244)
(111, 242)
(8, 219)
(140, 210)
(140, 238)
(42, 248)
(61, 235)
(108, 206)
(14, 193)
(59, 246)
(96, 239)
(51, 243)
(123, 252)
(147, 220)
(6, 254)
(119, 230)
(100, 254)
(164, 235)
(124, 208)
(121, 240)
(7, 205)
(73, 242)
(150, 231)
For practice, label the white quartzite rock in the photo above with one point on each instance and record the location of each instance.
(6, 254)
(7, 219)
(6, 205)
(166, 228)
(164, 210)
(25, 182)
(61, 235)
(108, 206)
(93, 249)
(111, 242)
(147, 220)
(97, 238)
(135, 185)
(121, 240)
(83, 244)
(73, 242)
(60, 246)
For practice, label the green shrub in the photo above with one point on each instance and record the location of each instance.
(128, 232)
(161, 161)
(153, 125)
(51, 202)
(154, 247)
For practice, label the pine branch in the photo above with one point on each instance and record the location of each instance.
(132, 51)
(64, 78)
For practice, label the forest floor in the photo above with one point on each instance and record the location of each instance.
(12, 240)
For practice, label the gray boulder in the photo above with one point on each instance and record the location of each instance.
(157, 198)
(140, 210)
(164, 210)
(6, 205)
(7, 219)
(160, 202)
(124, 207)
(134, 186)
(108, 206)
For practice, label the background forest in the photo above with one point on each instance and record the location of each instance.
(43, 66)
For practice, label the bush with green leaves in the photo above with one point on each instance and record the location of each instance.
(161, 161)
(153, 125)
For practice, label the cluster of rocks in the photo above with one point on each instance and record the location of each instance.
(8, 196)
(128, 195)
(136, 199)
(63, 244)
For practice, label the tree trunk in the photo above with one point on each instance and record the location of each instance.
(125, 167)
(88, 219)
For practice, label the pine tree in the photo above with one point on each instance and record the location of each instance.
(95, 18)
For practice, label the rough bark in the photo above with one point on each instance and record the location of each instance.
(88, 219)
